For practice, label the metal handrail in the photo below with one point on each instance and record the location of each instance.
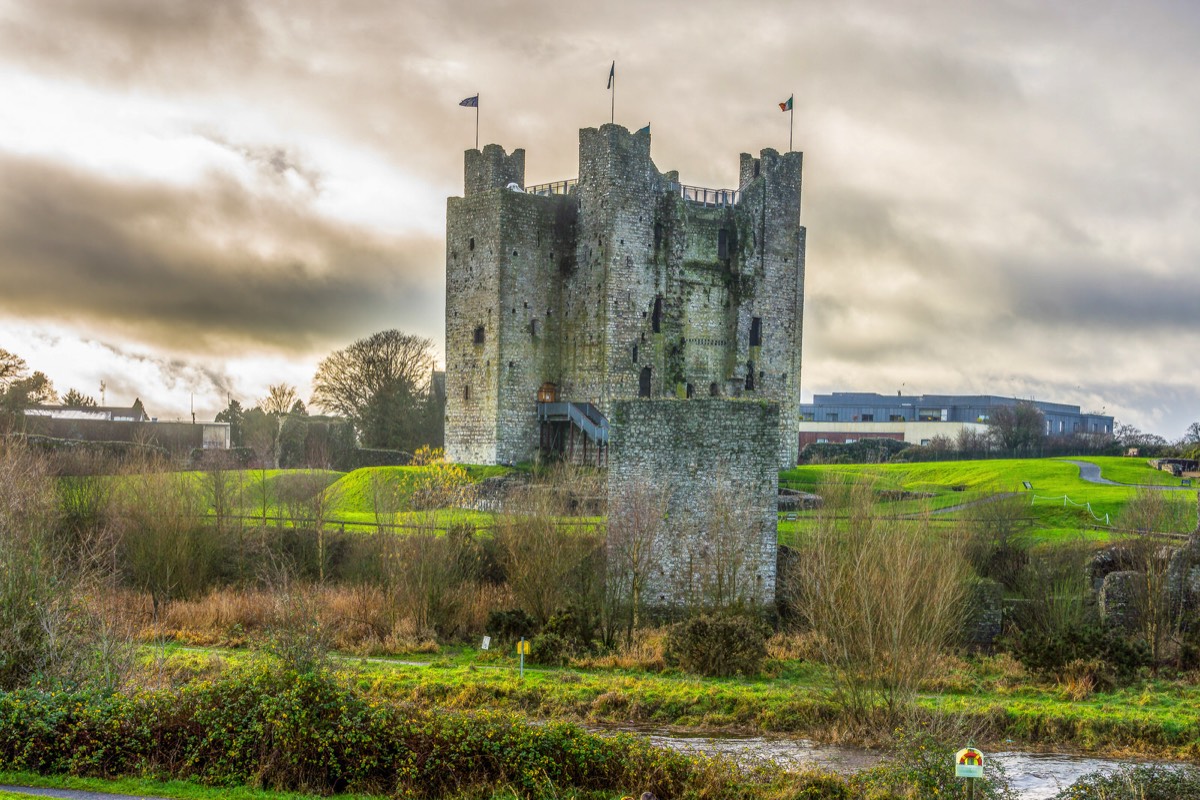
(715, 198)
(555, 187)
(584, 416)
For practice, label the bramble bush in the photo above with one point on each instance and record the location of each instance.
(262, 725)
(921, 766)
(1143, 782)
(551, 650)
(718, 645)
(1051, 653)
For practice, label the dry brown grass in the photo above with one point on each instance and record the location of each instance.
(644, 652)
(363, 620)
(1081, 678)
(796, 646)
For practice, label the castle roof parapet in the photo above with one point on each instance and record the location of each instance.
(709, 198)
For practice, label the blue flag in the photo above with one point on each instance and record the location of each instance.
(471, 102)
(612, 75)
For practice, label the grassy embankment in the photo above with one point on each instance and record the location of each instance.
(148, 787)
(928, 487)
(795, 697)
(271, 494)
(953, 483)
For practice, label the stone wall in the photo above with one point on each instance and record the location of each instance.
(474, 252)
(715, 463)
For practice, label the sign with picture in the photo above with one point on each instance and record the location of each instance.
(968, 763)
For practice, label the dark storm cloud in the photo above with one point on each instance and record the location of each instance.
(981, 178)
(202, 268)
(1100, 299)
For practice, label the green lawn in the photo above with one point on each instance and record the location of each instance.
(1060, 502)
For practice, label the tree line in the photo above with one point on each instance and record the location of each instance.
(378, 393)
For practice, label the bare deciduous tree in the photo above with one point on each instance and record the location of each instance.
(1017, 427)
(635, 528)
(381, 383)
(1159, 604)
(884, 595)
(729, 532)
(280, 400)
(164, 540)
(542, 560)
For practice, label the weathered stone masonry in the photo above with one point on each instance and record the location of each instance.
(624, 284)
(715, 460)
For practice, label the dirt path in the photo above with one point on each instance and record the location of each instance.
(74, 794)
(964, 506)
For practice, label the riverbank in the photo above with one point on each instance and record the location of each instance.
(991, 697)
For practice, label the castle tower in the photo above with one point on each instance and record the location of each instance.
(618, 285)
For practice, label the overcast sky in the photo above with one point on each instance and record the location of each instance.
(207, 196)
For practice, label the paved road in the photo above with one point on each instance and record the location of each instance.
(74, 794)
(1091, 473)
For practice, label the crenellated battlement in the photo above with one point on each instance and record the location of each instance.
(492, 168)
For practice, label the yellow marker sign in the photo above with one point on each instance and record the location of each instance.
(968, 763)
(523, 648)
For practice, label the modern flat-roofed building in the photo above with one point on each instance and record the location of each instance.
(848, 416)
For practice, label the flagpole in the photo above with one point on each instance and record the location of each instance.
(613, 111)
(476, 121)
(791, 120)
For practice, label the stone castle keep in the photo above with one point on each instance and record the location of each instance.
(628, 320)
(622, 284)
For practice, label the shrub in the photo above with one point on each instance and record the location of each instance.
(887, 595)
(922, 766)
(551, 650)
(864, 451)
(820, 787)
(1145, 782)
(1056, 653)
(718, 646)
(576, 625)
(510, 625)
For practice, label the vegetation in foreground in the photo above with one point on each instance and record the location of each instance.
(285, 731)
(97, 566)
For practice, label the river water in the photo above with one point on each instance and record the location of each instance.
(1034, 776)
